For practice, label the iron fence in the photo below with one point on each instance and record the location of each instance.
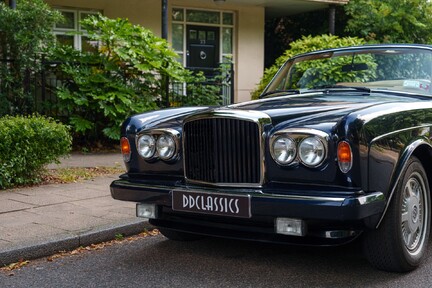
(43, 85)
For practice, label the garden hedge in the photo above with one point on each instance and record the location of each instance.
(28, 143)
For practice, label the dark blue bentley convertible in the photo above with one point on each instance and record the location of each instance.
(338, 147)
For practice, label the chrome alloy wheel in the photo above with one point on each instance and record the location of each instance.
(414, 213)
(400, 242)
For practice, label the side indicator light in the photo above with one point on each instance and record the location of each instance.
(125, 149)
(344, 156)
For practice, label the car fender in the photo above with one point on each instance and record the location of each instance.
(401, 166)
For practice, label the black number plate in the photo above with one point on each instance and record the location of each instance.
(211, 203)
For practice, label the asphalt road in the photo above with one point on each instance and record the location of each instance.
(157, 262)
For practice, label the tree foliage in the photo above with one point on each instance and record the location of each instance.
(25, 34)
(125, 75)
(391, 21)
(303, 45)
(280, 32)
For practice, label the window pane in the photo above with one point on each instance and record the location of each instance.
(227, 40)
(192, 34)
(228, 19)
(69, 20)
(177, 36)
(227, 58)
(88, 45)
(177, 14)
(67, 40)
(211, 35)
(180, 58)
(203, 16)
(202, 35)
(84, 16)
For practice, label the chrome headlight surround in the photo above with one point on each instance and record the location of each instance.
(166, 145)
(302, 137)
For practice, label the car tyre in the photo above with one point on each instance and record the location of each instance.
(179, 236)
(400, 242)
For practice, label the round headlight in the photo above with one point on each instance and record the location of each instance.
(284, 150)
(166, 147)
(312, 151)
(146, 146)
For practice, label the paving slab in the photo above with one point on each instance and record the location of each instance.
(39, 221)
(90, 160)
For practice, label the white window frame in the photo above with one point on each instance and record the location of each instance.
(220, 26)
(77, 38)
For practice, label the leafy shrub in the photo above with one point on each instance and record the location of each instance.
(125, 75)
(122, 77)
(28, 144)
(305, 44)
(202, 90)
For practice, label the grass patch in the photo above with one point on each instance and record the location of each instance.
(77, 174)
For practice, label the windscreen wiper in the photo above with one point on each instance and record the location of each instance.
(288, 91)
(357, 88)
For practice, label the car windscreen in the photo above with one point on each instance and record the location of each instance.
(395, 69)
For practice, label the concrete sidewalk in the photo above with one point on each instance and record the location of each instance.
(42, 220)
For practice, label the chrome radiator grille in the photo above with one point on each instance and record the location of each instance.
(222, 151)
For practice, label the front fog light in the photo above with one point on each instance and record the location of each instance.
(166, 147)
(289, 226)
(148, 211)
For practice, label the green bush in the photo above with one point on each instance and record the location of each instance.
(202, 90)
(28, 144)
(119, 78)
(303, 45)
(125, 75)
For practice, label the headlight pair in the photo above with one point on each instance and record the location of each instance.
(158, 143)
(304, 145)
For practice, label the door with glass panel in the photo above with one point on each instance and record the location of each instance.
(202, 48)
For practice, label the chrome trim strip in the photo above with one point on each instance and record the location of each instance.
(260, 118)
(339, 234)
(400, 131)
(263, 100)
(361, 200)
(248, 115)
(307, 131)
(370, 198)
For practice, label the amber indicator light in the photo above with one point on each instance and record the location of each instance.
(344, 152)
(125, 147)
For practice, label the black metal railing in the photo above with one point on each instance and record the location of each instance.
(43, 86)
(219, 80)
